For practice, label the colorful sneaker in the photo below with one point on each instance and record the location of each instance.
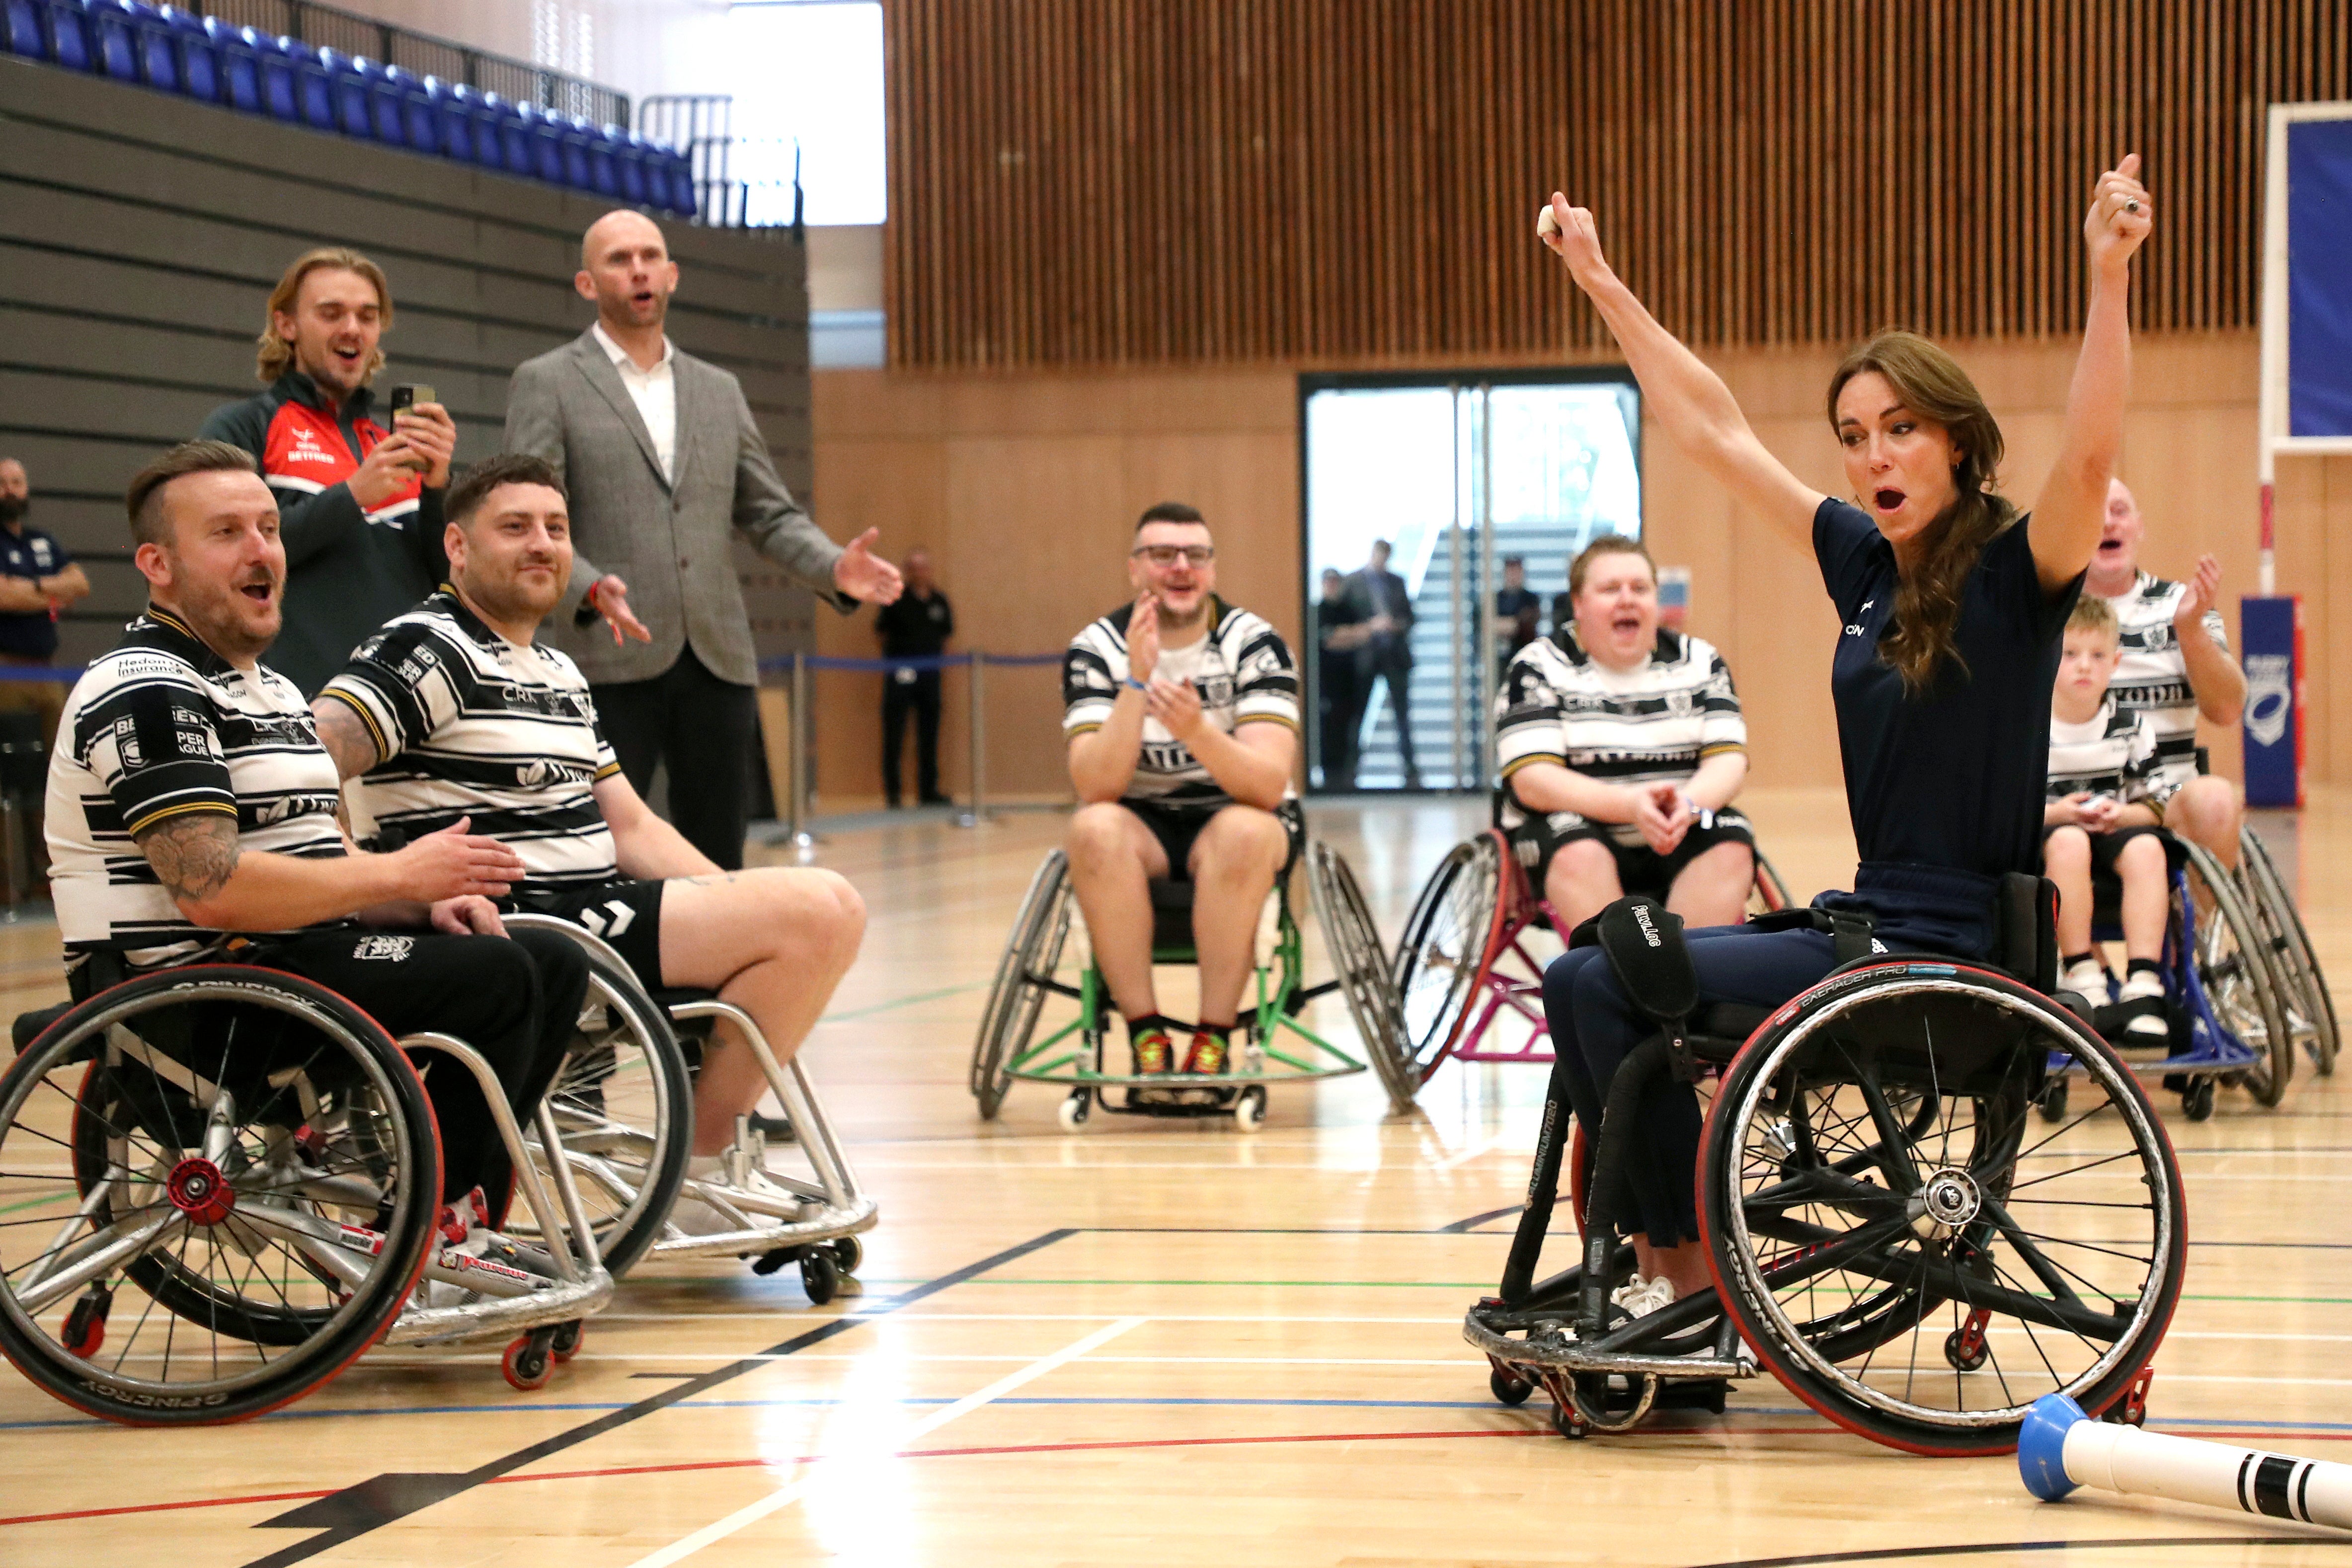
(1207, 1055)
(1154, 1052)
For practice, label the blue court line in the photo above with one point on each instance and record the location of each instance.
(1773, 1412)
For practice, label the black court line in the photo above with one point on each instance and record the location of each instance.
(1983, 1549)
(1475, 1220)
(357, 1510)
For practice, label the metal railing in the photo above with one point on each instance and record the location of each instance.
(324, 26)
(703, 124)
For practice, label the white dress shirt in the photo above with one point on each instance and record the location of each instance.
(655, 391)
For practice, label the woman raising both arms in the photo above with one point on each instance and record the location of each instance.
(1952, 607)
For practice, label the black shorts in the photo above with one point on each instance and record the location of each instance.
(627, 913)
(1177, 826)
(1640, 869)
(2106, 846)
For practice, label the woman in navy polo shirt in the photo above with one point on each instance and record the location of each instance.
(1952, 606)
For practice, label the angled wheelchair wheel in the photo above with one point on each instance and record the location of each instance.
(1354, 944)
(1903, 1243)
(1445, 948)
(223, 1184)
(1770, 891)
(1031, 956)
(2298, 964)
(2234, 968)
(623, 1104)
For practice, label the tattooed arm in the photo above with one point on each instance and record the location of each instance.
(345, 737)
(222, 886)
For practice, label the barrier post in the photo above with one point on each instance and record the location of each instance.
(803, 841)
(975, 814)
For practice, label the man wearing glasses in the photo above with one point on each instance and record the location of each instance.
(1182, 715)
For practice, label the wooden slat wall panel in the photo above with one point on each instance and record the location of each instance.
(1163, 181)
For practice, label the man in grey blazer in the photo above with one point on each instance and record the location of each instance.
(661, 459)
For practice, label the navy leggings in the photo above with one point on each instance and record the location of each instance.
(1593, 1029)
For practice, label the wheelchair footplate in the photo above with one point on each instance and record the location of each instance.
(1683, 1356)
(779, 1219)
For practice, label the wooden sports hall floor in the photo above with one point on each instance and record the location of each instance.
(1160, 1342)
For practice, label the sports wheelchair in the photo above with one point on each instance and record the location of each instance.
(1465, 982)
(258, 1158)
(621, 1109)
(2231, 1011)
(2311, 1011)
(1039, 964)
(1890, 1233)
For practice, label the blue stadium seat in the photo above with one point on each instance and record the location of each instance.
(546, 133)
(454, 105)
(684, 201)
(152, 42)
(113, 47)
(276, 68)
(240, 66)
(490, 151)
(575, 153)
(199, 63)
(347, 93)
(420, 109)
(604, 173)
(67, 25)
(20, 30)
(629, 165)
(314, 97)
(514, 140)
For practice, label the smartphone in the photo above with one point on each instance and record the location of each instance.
(408, 395)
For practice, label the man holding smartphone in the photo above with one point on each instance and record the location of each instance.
(359, 505)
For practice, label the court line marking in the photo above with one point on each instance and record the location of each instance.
(1980, 1549)
(776, 1502)
(1465, 1156)
(328, 1539)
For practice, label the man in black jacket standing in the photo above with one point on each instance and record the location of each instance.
(916, 624)
(359, 506)
(1387, 608)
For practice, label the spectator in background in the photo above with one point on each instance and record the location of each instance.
(1518, 613)
(1387, 607)
(916, 624)
(1340, 637)
(661, 459)
(38, 579)
(359, 506)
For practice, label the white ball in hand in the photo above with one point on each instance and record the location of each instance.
(1545, 225)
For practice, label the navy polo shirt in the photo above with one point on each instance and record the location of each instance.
(32, 555)
(1946, 788)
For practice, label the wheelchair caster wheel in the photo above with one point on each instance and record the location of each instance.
(819, 1276)
(1569, 1424)
(528, 1362)
(1961, 1355)
(86, 1324)
(769, 1262)
(2196, 1099)
(1249, 1110)
(848, 1252)
(2052, 1100)
(1507, 1389)
(1073, 1112)
(565, 1344)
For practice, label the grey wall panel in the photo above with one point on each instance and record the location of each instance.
(140, 236)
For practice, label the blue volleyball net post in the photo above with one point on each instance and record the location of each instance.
(2306, 406)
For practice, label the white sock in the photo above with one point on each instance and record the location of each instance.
(2085, 978)
(2143, 983)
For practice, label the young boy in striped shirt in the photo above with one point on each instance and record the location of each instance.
(2105, 806)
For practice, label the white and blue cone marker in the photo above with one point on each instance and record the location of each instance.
(2062, 1448)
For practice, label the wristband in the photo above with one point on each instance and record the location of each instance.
(587, 611)
(1138, 684)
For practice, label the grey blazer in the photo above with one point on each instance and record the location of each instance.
(668, 539)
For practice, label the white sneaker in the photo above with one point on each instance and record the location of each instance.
(1643, 1297)
(2086, 978)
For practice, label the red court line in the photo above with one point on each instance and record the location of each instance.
(1814, 1431)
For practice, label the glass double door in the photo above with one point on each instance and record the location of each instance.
(1419, 493)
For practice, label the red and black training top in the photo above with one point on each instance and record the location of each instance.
(347, 571)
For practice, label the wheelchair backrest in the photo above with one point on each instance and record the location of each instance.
(2026, 930)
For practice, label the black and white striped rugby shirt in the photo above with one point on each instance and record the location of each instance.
(466, 723)
(2113, 752)
(1241, 670)
(2151, 676)
(164, 727)
(1653, 723)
